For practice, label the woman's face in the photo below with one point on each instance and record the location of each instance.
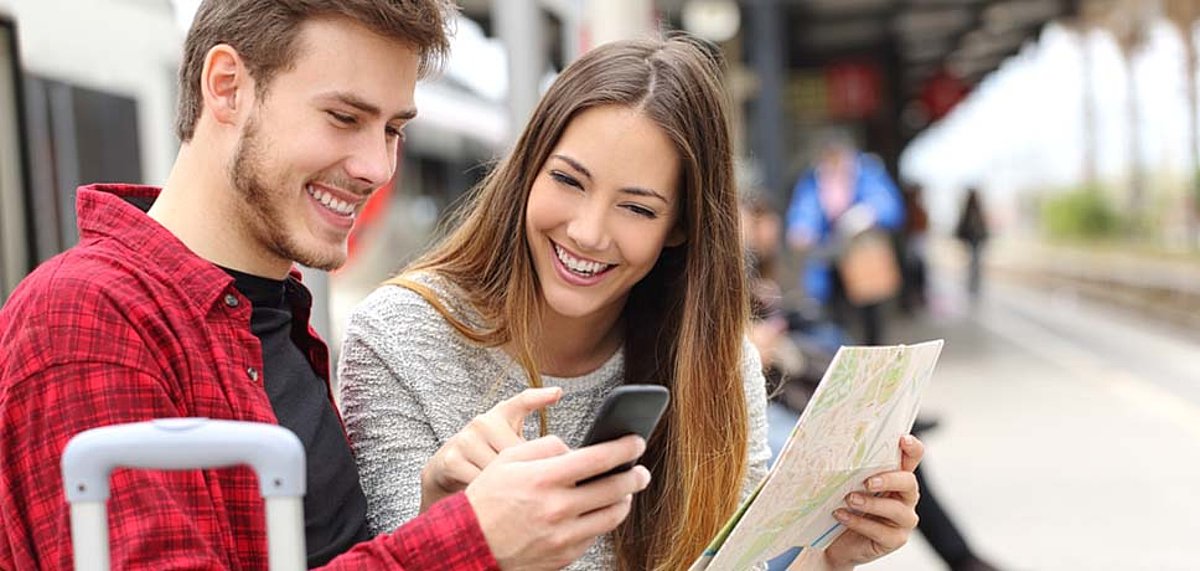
(601, 209)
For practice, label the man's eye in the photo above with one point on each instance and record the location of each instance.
(342, 118)
(395, 133)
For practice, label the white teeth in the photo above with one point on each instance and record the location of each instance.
(578, 266)
(334, 204)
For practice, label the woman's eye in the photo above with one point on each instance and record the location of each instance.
(642, 211)
(564, 178)
(395, 133)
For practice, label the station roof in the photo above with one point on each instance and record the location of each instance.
(966, 38)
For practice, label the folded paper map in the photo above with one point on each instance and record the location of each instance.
(849, 431)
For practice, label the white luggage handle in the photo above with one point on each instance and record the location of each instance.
(274, 452)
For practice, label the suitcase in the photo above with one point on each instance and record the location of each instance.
(274, 452)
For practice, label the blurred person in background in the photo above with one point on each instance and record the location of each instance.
(914, 249)
(185, 301)
(792, 361)
(604, 250)
(972, 231)
(846, 195)
(761, 238)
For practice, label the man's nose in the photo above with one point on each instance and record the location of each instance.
(373, 161)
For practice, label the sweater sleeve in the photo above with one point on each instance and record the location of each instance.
(388, 425)
(755, 388)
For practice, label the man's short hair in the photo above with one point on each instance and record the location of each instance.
(264, 32)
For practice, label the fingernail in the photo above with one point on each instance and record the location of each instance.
(908, 439)
(645, 477)
(875, 483)
(855, 500)
(841, 515)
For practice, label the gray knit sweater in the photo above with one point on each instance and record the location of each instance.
(409, 382)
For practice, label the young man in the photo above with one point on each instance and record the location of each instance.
(184, 302)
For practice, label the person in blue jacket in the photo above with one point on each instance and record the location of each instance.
(846, 193)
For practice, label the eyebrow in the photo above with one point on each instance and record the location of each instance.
(362, 105)
(634, 190)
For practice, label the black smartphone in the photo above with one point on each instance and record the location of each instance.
(628, 409)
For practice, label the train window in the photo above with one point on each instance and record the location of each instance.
(14, 240)
(89, 136)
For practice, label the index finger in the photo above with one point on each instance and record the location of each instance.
(515, 408)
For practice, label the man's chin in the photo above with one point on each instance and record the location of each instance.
(325, 264)
(327, 261)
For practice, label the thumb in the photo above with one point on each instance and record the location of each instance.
(912, 450)
(514, 409)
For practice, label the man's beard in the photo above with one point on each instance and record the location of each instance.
(262, 213)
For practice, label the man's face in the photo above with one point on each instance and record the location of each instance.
(322, 139)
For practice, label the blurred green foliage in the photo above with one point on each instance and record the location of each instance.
(1080, 213)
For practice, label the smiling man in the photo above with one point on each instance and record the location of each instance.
(184, 301)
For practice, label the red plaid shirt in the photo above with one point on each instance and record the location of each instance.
(130, 325)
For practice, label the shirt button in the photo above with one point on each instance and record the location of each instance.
(253, 373)
(231, 300)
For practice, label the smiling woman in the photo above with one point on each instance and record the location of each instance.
(603, 251)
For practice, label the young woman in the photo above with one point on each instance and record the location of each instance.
(603, 251)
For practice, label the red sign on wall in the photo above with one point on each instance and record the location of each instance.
(941, 92)
(854, 89)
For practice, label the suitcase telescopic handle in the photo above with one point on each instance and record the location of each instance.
(274, 452)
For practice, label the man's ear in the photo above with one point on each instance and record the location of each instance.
(225, 84)
(677, 236)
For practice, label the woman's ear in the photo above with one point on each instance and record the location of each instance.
(225, 84)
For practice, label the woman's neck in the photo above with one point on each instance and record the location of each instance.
(574, 346)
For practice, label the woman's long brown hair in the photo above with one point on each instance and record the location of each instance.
(684, 322)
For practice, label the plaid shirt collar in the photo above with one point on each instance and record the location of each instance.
(116, 212)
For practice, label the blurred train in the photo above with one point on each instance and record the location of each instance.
(15, 242)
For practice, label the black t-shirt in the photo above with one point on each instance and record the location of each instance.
(335, 509)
